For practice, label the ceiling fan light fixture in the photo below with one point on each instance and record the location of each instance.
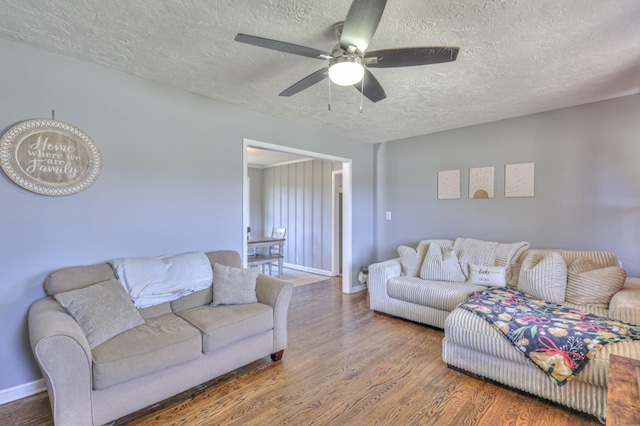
(346, 70)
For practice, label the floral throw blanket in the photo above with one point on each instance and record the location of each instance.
(558, 339)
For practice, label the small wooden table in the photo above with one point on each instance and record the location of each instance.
(623, 394)
(260, 258)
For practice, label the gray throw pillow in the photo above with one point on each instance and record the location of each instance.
(234, 286)
(102, 310)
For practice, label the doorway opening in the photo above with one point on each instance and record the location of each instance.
(339, 222)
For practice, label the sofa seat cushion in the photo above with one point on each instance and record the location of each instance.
(435, 294)
(226, 324)
(468, 330)
(162, 342)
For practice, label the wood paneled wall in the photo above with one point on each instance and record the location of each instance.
(256, 200)
(298, 197)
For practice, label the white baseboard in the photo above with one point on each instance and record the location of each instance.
(358, 288)
(21, 391)
(307, 269)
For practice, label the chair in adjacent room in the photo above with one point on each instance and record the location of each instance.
(277, 251)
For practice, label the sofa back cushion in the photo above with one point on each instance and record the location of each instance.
(76, 277)
(601, 258)
(489, 253)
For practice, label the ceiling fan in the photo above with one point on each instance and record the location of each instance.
(349, 61)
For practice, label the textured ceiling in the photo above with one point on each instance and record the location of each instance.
(516, 57)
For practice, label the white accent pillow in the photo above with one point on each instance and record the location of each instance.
(102, 310)
(441, 264)
(544, 276)
(234, 286)
(489, 276)
(411, 259)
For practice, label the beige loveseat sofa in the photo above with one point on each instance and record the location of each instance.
(180, 344)
(473, 345)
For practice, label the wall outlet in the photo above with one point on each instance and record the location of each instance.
(297, 259)
(388, 216)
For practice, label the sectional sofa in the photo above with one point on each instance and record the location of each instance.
(432, 283)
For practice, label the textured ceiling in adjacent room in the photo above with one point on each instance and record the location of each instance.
(516, 57)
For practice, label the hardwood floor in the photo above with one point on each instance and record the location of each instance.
(345, 365)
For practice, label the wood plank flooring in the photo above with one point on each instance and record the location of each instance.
(345, 365)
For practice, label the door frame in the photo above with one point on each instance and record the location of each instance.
(335, 222)
(347, 286)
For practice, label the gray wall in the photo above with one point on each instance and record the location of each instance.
(298, 197)
(587, 182)
(171, 180)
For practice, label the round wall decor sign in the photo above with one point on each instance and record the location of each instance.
(49, 157)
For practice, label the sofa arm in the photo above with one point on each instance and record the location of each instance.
(625, 304)
(63, 354)
(379, 274)
(277, 294)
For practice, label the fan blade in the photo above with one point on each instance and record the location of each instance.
(307, 82)
(361, 23)
(283, 46)
(372, 88)
(411, 56)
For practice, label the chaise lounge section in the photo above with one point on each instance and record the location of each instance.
(475, 346)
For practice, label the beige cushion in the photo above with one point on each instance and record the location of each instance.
(490, 276)
(589, 284)
(102, 310)
(232, 286)
(75, 277)
(544, 275)
(162, 342)
(156, 310)
(223, 325)
(199, 298)
(411, 259)
(225, 257)
(441, 264)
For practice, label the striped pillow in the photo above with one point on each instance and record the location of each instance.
(544, 276)
(441, 264)
(591, 285)
(411, 258)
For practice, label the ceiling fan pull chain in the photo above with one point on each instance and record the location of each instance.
(329, 105)
(361, 94)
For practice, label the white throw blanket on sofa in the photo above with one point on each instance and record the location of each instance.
(154, 280)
